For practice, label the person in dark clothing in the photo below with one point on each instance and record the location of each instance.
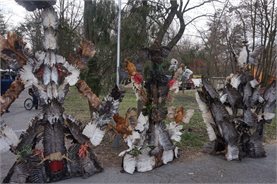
(35, 98)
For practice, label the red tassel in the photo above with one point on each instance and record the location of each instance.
(83, 150)
(171, 82)
(56, 165)
(138, 78)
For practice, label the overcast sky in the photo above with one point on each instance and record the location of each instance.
(15, 14)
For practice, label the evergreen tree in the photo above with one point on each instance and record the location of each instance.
(99, 27)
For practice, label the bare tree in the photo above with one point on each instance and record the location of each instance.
(261, 18)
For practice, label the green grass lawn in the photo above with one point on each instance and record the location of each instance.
(194, 134)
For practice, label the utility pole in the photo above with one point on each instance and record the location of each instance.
(116, 141)
(118, 43)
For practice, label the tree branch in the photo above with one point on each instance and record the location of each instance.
(199, 16)
(177, 37)
(196, 6)
(167, 22)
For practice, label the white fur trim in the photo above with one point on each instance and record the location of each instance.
(232, 153)
(167, 156)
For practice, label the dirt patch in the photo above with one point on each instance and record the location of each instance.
(107, 154)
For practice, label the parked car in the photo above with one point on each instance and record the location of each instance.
(6, 80)
(187, 84)
(197, 82)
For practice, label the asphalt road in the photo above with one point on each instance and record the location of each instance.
(204, 169)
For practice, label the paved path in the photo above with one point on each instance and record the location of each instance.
(204, 169)
(18, 117)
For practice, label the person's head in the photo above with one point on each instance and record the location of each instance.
(174, 61)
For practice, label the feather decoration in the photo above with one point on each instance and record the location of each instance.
(46, 75)
(235, 81)
(42, 93)
(174, 131)
(129, 163)
(49, 91)
(54, 90)
(266, 116)
(60, 59)
(50, 40)
(27, 76)
(94, 133)
(142, 121)
(255, 98)
(223, 98)
(247, 93)
(250, 118)
(133, 143)
(50, 19)
(254, 83)
(253, 56)
(54, 75)
(62, 90)
(133, 139)
(242, 59)
(164, 138)
(229, 110)
(7, 138)
(50, 59)
(40, 56)
(145, 162)
(84, 89)
(73, 78)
